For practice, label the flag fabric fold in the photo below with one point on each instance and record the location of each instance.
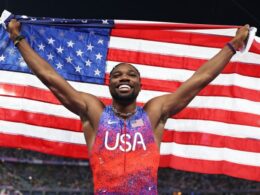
(219, 131)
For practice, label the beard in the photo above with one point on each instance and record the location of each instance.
(124, 98)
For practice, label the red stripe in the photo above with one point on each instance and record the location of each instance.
(44, 146)
(210, 90)
(40, 119)
(206, 139)
(211, 167)
(27, 92)
(178, 62)
(232, 117)
(188, 38)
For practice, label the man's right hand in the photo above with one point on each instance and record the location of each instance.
(14, 28)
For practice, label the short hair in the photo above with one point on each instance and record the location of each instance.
(122, 64)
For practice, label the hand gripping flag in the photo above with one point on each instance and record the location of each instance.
(219, 131)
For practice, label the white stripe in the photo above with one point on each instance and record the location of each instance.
(213, 127)
(172, 74)
(211, 153)
(41, 132)
(31, 80)
(36, 107)
(127, 22)
(163, 48)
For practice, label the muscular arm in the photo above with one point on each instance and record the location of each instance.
(161, 108)
(75, 101)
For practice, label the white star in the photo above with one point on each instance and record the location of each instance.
(90, 47)
(50, 56)
(79, 53)
(84, 21)
(33, 19)
(2, 58)
(78, 68)
(60, 50)
(41, 47)
(100, 41)
(88, 63)
(51, 41)
(59, 65)
(105, 21)
(98, 56)
(11, 51)
(97, 72)
(69, 59)
(70, 43)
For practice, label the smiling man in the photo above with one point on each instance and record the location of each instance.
(124, 139)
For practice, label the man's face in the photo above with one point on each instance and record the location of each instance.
(124, 83)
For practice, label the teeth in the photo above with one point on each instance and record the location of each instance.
(124, 87)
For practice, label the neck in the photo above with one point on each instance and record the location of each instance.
(124, 110)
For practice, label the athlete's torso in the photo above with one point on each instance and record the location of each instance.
(124, 157)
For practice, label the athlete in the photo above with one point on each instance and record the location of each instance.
(123, 139)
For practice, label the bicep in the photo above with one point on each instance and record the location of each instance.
(178, 100)
(75, 101)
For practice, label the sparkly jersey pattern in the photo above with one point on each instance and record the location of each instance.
(124, 158)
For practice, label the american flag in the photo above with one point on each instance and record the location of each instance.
(219, 131)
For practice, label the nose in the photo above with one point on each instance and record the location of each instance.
(124, 77)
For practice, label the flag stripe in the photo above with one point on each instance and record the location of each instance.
(44, 146)
(211, 153)
(173, 37)
(207, 139)
(38, 119)
(213, 167)
(39, 132)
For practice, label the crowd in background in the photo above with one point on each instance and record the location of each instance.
(65, 173)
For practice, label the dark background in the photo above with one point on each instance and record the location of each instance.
(233, 12)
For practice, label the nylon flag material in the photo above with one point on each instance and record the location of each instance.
(219, 131)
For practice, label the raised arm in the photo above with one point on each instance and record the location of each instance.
(163, 107)
(75, 101)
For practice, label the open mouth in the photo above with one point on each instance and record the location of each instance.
(124, 88)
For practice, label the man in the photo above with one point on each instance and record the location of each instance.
(123, 139)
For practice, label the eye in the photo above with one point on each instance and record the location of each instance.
(132, 74)
(115, 75)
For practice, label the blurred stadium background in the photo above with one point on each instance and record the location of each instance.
(28, 172)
